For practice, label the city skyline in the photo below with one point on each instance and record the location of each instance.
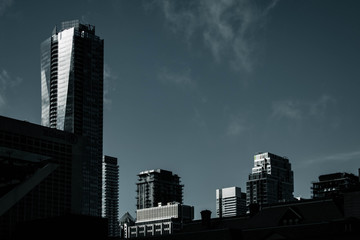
(199, 88)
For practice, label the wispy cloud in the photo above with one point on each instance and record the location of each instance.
(2, 101)
(109, 85)
(4, 4)
(198, 119)
(236, 126)
(298, 110)
(227, 27)
(7, 82)
(85, 17)
(180, 78)
(319, 107)
(286, 109)
(336, 157)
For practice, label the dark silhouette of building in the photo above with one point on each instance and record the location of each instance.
(271, 180)
(156, 187)
(40, 173)
(110, 194)
(72, 66)
(333, 184)
(70, 226)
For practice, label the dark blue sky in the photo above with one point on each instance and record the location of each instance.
(199, 87)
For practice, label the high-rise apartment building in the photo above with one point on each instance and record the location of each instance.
(271, 180)
(158, 186)
(230, 202)
(110, 194)
(72, 97)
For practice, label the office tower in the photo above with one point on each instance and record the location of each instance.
(271, 180)
(158, 186)
(110, 194)
(335, 184)
(230, 202)
(161, 220)
(40, 173)
(72, 97)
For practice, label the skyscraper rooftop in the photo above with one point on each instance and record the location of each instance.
(158, 186)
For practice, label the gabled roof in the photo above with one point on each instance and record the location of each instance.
(126, 218)
(305, 212)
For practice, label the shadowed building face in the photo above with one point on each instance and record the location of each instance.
(72, 96)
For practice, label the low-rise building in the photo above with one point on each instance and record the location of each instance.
(160, 220)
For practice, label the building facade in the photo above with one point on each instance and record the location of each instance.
(161, 220)
(334, 184)
(125, 222)
(110, 194)
(72, 97)
(158, 186)
(271, 180)
(40, 171)
(230, 202)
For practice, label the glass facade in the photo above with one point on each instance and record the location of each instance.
(65, 46)
(72, 97)
(45, 82)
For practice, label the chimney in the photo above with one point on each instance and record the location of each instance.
(254, 208)
(205, 218)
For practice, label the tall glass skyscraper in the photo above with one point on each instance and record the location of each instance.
(72, 66)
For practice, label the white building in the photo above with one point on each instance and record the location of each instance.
(161, 220)
(230, 202)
